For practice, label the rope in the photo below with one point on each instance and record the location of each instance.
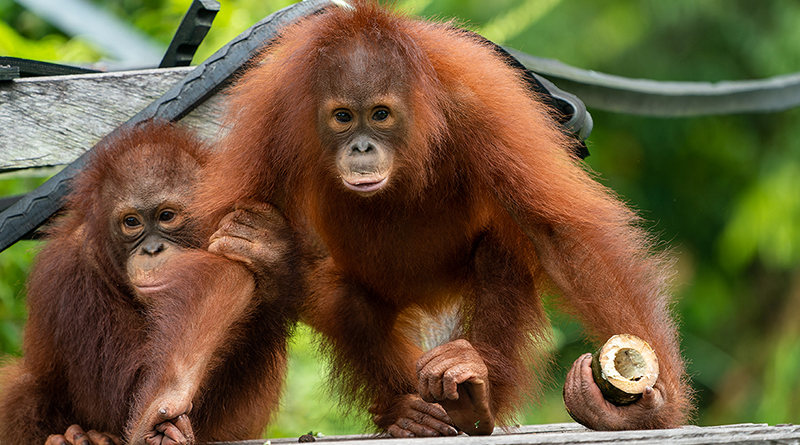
(668, 99)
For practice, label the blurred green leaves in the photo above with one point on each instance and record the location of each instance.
(49, 47)
(14, 266)
(765, 224)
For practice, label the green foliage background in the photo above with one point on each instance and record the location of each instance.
(723, 192)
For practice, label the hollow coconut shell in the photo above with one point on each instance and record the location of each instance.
(624, 367)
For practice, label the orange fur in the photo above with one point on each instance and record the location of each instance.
(96, 355)
(486, 208)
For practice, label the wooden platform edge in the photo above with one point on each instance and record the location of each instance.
(572, 433)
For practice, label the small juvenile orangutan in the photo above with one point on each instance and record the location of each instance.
(426, 180)
(135, 332)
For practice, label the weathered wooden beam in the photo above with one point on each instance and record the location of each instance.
(570, 433)
(46, 121)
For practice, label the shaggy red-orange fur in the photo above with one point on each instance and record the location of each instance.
(115, 334)
(471, 206)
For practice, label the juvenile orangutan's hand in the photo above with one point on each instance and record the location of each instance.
(75, 435)
(165, 421)
(413, 417)
(585, 402)
(257, 235)
(455, 376)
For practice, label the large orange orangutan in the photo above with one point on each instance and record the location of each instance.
(428, 184)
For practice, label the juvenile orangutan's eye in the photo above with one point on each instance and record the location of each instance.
(131, 222)
(166, 216)
(343, 117)
(380, 115)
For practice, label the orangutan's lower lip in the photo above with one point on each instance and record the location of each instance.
(150, 288)
(365, 186)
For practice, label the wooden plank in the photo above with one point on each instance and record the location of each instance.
(572, 433)
(49, 121)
